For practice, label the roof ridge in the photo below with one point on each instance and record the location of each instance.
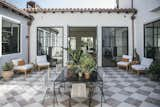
(14, 8)
(109, 10)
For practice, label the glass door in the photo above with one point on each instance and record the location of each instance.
(50, 43)
(114, 45)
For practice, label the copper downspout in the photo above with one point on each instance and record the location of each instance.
(133, 19)
(28, 37)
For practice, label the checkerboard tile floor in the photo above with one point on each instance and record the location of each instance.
(121, 89)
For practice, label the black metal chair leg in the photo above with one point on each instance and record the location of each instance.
(69, 100)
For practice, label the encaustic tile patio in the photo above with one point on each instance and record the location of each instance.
(121, 89)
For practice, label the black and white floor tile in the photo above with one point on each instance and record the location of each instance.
(121, 89)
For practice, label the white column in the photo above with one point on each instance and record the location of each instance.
(0, 35)
(99, 43)
(130, 47)
(65, 36)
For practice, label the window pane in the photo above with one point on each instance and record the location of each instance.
(10, 37)
(114, 44)
(152, 40)
(50, 43)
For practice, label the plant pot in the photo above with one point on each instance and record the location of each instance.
(87, 75)
(7, 75)
(69, 74)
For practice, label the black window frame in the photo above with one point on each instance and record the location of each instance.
(153, 34)
(114, 27)
(52, 41)
(19, 41)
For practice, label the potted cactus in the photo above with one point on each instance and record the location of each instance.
(7, 72)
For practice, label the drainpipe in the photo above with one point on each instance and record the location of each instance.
(29, 23)
(133, 18)
(133, 28)
(117, 2)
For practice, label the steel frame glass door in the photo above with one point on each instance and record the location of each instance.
(114, 45)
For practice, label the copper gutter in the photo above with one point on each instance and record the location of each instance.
(133, 28)
(28, 41)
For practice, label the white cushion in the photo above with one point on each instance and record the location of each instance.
(41, 59)
(24, 67)
(127, 57)
(123, 63)
(43, 64)
(138, 67)
(15, 61)
(146, 62)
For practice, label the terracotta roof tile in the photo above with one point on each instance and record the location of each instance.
(104, 10)
(5, 4)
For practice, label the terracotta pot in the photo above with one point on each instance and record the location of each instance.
(87, 75)
(69, 74)
(7, 75)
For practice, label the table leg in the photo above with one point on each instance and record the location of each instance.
(54, 95)
(102, 94)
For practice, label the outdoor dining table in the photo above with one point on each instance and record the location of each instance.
(91, 83)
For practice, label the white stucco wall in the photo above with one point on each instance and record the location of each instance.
(144, 16)
(23, 33)
(125, 3)
(79, 20)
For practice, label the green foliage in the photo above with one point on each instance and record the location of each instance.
(80, 61)
(87, 63)
(75, 55)
(154, 71)
(75, 68)
(7, 66)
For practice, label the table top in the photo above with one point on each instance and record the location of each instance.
(63, 77)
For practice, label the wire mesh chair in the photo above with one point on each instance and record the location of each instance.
(49, 86)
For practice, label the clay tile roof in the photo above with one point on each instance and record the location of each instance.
(104, 10)
(5, 4)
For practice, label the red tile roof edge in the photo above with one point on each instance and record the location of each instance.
(100, 10)
(5, 4)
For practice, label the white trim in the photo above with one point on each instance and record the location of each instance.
(0, 35)
(20, 34)
(151, 20)
(11, 19)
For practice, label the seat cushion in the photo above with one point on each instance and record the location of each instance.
(123, 63)
(127, 57)
(42, 59)
(138, 67)
(15, 61)
(21, 62)
(43, 64)
(24, 67)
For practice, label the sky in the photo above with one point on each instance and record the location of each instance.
(67, 3)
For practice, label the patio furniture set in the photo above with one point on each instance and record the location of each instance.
(137, 66)
(79, 87)
(20, 66)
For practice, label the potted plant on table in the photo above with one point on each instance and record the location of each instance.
(74, 64)
(154, 71)
(87, 65)
(7, 72)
